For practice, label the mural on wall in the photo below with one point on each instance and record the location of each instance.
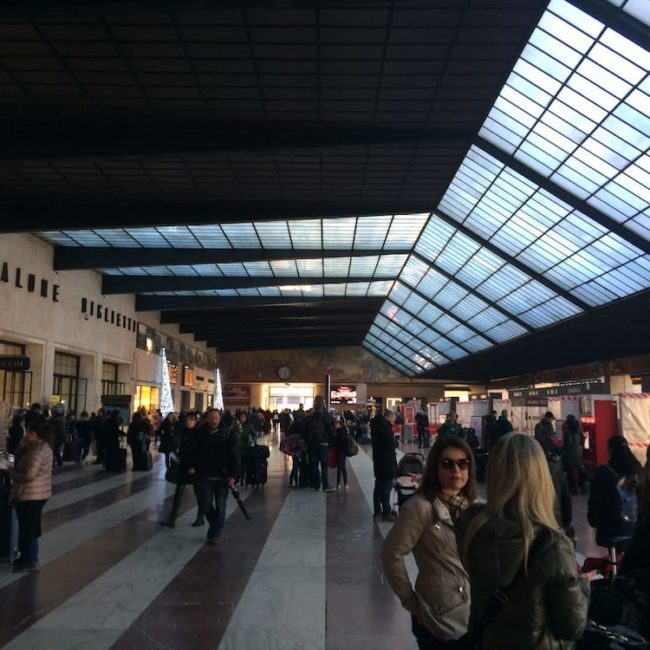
(344, 364)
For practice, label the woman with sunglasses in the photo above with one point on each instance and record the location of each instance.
(439, 603)
(514, 546)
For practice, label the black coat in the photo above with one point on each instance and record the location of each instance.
(216, 454)
(384, 461)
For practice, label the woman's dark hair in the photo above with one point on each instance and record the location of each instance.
(622, 460)
(41, 427)
(430, 485)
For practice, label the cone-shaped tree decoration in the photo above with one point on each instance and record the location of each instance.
(218, 395)
(166, 403)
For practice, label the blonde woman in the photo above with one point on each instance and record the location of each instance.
(439, 602)
(515, 547)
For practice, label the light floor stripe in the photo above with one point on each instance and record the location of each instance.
(96, 616)
(283, 605)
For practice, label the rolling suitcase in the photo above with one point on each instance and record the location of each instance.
(256, 468)
(144, 462)
(116, 460)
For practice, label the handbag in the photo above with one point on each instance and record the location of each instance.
(351, 447)
(171, 475)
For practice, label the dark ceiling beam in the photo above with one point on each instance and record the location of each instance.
(22, 217)
(616, 19)
(291, 340)
(113, 284)
(460, 283)
(123, 143)
(79, 9)
(161, 303)
(228, 324)
(67, 258)
(571, 199)
(524, 268)
(363, 307)
(282, 345)
(253, 333)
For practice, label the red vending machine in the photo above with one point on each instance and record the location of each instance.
(599, 428)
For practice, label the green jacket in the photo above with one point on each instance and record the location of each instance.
(546, 610)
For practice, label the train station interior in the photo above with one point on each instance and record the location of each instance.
(422, 207)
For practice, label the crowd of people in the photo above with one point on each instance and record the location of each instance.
(500, 574)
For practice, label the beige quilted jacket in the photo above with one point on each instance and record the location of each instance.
(32, 476)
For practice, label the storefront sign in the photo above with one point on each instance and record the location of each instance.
(91, 309)
(29, 282)
(14, 364)
(116, 400)
(236, 394)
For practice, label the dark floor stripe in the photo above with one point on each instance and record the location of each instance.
(362, 611)
(26, 601)
(53, 518)
(194, 610)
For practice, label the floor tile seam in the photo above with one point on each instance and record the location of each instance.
(85, 528)
(73, 558)
(277, 478)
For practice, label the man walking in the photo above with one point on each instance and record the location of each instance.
(217, 467)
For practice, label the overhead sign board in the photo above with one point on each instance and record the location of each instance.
(14, 364)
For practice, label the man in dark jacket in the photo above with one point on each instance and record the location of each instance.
(501, 428)
(545, 433)
(384, 463)
(319, 436)
(216, 465)
(422, 425)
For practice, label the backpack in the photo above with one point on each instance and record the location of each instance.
(316, 432)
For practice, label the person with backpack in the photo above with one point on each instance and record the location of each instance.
(319, 436)
(612, 504)
(525, 587)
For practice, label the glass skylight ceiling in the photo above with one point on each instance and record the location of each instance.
(575, 109)
(351, 289)
(356, 233)
(380, 266)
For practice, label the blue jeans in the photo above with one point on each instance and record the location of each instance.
(213, 499)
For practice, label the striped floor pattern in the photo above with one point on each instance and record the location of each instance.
(304, 573)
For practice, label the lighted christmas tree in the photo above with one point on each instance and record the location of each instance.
(166, 403)
(218, 395)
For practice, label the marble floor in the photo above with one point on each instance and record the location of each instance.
(303, 573)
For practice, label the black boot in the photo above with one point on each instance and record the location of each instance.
(199, 522)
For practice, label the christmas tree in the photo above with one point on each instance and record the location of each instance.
(166, 403)
(218, 395)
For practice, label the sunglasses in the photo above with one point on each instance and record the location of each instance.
(448, 463)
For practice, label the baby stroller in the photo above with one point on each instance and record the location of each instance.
(409, 474)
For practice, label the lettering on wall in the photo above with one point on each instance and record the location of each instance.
(98, 311)
(29, 282)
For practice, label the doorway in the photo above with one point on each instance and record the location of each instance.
(283, 396)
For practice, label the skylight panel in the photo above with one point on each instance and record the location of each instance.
(455, 352)
(210, 236)
(476, 344)
(637, 8)
(445, 323)
(313, 290)
(455, 255)
(527, 296)
(413, 271)
(251, 292)
(336, 266)
(400, 293)
(310, 268)
(270, 292)
(226, 293)
(415, 304)
(182, 270)
(432, 283)
(371, 231)
(363, 265)
(450, 295)
(138, 270)
(116, 237)
(430, 314)
(469, 307)
(339, 233)
(460, 334)
(306, 233)
(487, 319)
(111, 271)
(284, 268)
(241, 235)
(87, 238)
(273, 234)
(148, 237)
(57, 238)
(258, 269)
(390, 265)
(207, 269)
(179, 236)
(357, 288)
(404, 230)
(415, 326)
(233, 269)
(505, 331)
(479, 268)
(380, 288)
(434, 238)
